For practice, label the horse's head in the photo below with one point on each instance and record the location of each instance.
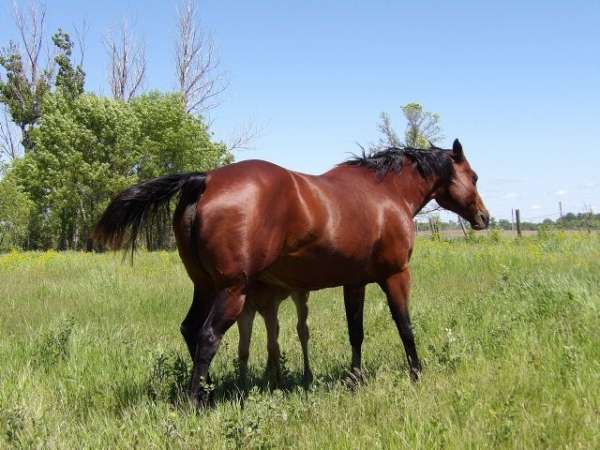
(460, 194)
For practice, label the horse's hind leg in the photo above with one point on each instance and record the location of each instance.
(224, 310)
(195, 318)
(301, 301)
(245, 322)
(397, 289)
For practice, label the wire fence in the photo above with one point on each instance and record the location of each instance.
(430, 223)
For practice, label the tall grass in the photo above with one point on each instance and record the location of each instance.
(509, 334)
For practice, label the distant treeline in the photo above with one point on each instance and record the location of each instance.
(570, 221)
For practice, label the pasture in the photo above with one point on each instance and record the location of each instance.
(508, 332)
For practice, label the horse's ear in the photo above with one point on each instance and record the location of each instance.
(457, 151)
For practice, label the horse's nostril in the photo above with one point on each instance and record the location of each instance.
(485, 218)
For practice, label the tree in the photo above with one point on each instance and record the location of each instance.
(127, 66)
(15, 209)
(422, 132)
(196, 63)
(89, 148)
(69, 80)
(26, 80)
(422, 128)
(9, 146)
(389, 137)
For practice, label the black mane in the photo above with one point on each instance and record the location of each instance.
(434, 161)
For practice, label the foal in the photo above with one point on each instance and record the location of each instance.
(268, 308)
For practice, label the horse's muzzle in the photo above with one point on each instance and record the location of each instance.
(481, 220)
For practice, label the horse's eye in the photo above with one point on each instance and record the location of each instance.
(475, 178)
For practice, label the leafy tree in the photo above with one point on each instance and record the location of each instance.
(422, 128)
(69, 79)
(21, 95)
(15, 209)
(24, 89)
(89, 148)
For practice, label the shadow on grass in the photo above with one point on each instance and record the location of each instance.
(229, 388)
(169, 376)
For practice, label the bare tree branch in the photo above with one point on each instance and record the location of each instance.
(389, 138)
(242, 138)
(127, 64)
(32, 30)
(81, 33)
(30, 77)
(196, 64)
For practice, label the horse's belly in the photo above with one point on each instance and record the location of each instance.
(315, 272)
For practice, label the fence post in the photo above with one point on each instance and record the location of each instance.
(589, 221)
(518, 217)
(435, 229)
(462, 226)
(512, 219)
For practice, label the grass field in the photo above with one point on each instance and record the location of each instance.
(509, 334)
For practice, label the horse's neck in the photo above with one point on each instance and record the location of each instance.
(407, 187)
(415, 190)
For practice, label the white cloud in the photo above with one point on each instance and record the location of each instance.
(536, 206)
(561, 192)
(510, 195)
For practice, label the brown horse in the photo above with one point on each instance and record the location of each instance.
(253, 231)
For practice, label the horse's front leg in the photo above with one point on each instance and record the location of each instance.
(397, 289)
(354, 301)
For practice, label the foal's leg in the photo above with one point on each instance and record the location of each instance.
(269, 313)
(245, 322)
(301, 301)
(225, 308)
(354, 301)
(397, 289)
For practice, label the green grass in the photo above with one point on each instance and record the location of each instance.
(508, 331)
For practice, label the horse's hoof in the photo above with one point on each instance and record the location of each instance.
(202, 402)
(274, 379)
(355, 378)
(415, 374)
(203, 398)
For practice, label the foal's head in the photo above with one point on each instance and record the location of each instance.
(459, 192)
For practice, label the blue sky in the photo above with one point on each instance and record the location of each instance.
(517, 82)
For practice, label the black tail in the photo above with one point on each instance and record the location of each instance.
(136, 207)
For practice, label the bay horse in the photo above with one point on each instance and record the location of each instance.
(255, 232)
